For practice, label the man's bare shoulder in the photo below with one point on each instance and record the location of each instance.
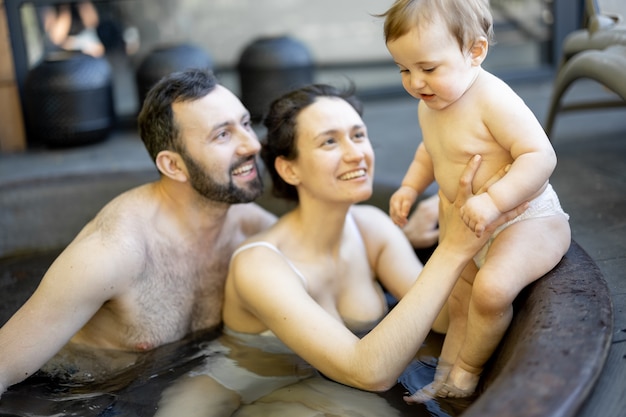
(127, 210)
(120, 228)
(102, 263)
(251, 218)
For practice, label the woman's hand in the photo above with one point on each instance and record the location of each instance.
(479, 210)
(456, 233)
(422, 229)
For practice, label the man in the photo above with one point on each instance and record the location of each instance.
(150, 267)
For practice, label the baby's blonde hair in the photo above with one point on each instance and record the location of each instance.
(467, 20)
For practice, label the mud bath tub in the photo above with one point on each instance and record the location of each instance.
(546, 366)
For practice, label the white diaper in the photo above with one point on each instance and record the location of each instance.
(546, 204)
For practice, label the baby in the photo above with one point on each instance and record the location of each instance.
(439, 46)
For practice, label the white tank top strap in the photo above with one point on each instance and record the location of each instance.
(352, 220)
(275, 249)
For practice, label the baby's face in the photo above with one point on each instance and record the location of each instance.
(432, 65)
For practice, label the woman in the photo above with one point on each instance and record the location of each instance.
(315, 278)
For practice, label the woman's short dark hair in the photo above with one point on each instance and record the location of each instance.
(280, 139)
(157, 127)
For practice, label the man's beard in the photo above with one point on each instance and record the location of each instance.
(228, 193)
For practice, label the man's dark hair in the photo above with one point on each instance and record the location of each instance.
(157, 127)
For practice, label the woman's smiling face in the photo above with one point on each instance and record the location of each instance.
(335, 157)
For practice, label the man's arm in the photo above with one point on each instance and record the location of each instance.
(75, 286)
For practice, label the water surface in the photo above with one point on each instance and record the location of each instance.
(178, 379)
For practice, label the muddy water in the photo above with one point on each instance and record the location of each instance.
(252, 379)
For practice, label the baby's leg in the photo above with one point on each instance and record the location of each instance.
(458, 305)
(519, 255)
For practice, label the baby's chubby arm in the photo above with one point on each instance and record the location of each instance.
(516, 129)
(418, 177)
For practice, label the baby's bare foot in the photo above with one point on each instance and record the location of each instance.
(430, 391)
(460, 384)
(425, 394)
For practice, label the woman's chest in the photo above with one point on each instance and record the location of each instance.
(348, 290)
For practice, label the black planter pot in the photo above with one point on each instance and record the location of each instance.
(68, 100)
(269, 67)
(164, 60)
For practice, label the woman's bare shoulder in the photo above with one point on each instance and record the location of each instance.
(366, 213)
(373, 223)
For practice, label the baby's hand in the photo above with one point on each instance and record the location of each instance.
(479, 212)
(422, 228)
(400, 204)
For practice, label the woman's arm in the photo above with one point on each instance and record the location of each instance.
(391, 256)
(374, 362)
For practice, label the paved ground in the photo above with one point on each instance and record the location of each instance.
(590, 180)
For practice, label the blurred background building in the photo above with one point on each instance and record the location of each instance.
(344, 38)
